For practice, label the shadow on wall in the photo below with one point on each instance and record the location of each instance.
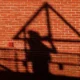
(39, 54)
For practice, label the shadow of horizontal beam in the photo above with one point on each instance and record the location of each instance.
(66, 40)
(64, 63)
(1, 49)
(8, 59)
(76, 54)
(58, 40)
(11, 49)
(18, 60)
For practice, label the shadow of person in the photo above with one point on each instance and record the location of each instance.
(39, 54)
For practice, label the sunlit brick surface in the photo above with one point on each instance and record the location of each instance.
(15, 13)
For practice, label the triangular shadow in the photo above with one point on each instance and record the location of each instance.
(45, 7)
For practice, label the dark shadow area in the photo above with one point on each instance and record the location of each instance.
(29, 76)
(38, 54)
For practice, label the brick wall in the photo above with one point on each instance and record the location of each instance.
(64, 20)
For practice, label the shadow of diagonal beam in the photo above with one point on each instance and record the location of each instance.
(63, 19)
(5, 68)
(29, 21)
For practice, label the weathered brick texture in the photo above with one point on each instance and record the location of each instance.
(15, 13)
